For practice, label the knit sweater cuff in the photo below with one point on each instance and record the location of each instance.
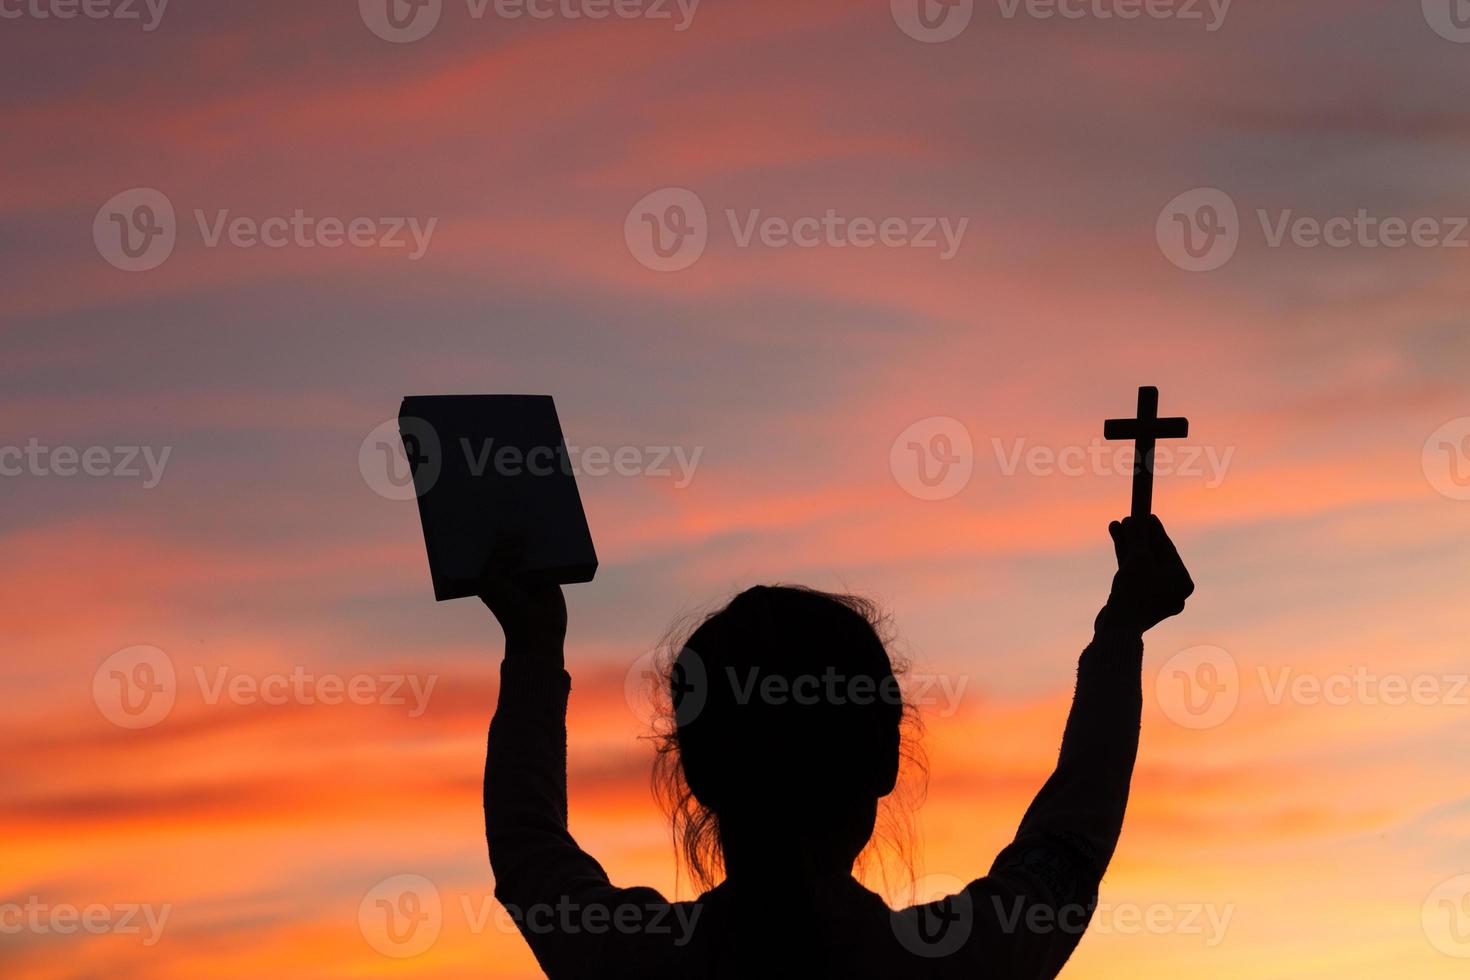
(533, 686)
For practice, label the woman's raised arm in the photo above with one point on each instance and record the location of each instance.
(1031, 910)
(558, 895)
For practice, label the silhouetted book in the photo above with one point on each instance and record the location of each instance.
(494, 482)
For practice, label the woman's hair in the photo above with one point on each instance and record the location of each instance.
(786, 704)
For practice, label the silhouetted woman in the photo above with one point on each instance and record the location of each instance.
(787, 722)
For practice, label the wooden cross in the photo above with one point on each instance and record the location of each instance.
(1145, 430)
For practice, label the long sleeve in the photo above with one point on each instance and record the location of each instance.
(1082, 803)
(550, 886)
(1024, 919)
(1067, 837)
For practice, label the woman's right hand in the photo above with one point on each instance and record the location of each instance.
(1151, 583)
(534, 617)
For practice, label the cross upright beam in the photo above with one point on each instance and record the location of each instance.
(1145, 430)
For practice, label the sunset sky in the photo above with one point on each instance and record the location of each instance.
(1309, 819)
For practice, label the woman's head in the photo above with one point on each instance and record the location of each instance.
(783, 730)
